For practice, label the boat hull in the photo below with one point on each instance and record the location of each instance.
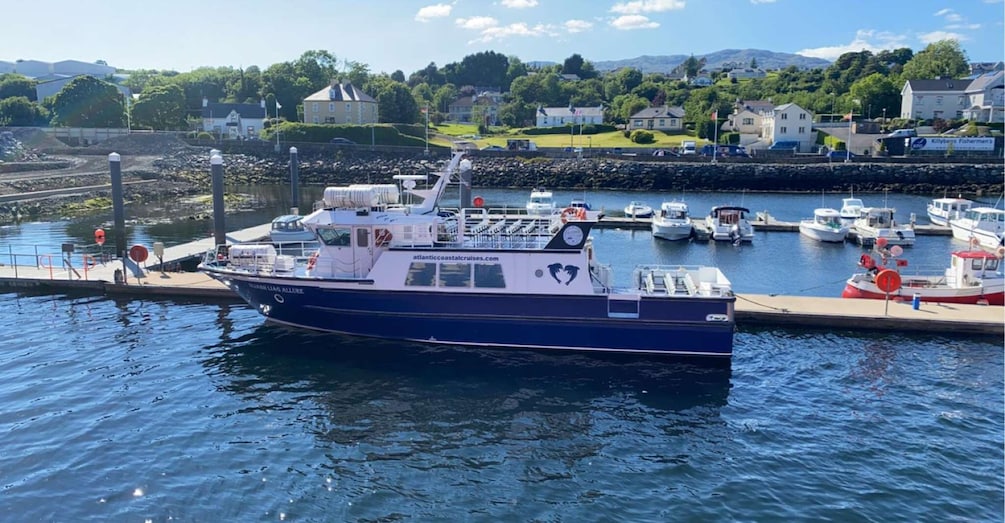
(823, 234)
(672, 232)
(672, 326)
(992, 293)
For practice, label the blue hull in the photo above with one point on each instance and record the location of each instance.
(584, 323)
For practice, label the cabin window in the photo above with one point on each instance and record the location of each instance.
(455, 275)
(421, 274)
(362, 237)
(489, 276)
(335, 236)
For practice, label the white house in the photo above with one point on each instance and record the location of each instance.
(233, 121)
(788, 123)
(986, 98)
(741, 74)
(662, 118)
(559, 116)
(744, 122)
(928, 99)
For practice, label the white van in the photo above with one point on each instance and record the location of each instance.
(688, 147)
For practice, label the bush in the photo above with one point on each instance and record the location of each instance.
(586, 129)
(730, 138)
(204, 136)
(642, 136)
(834, 144)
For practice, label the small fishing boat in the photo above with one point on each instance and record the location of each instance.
(638, 210)
(728, 223)
(851, 209)
(673, 222)
(941, 210)
(289, 228)
(981, 226)
(824, 226)
(541, 203)
(581, 203)
(474, 277)
(877, 222)
(972, 277)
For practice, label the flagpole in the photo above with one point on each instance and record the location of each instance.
(847, 155)
(427, 129)
(277, 124)
(715, 133)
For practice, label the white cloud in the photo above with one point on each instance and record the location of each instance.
(477, 23)
(755, 2)
(943, 12)
(647, 6)
(967, 27)
(936, 36)
(490, 34)
(629, 22)
(577, 26)
(433, 11)
(867, 40)
(519, 4)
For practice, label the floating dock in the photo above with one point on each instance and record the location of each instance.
(72, 274)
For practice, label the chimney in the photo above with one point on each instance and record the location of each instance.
(205, 101)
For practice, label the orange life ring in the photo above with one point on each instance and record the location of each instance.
(312, 261)
(867, 261)
(568, 211)
(581, 214)
(1000, 252)
(381, 237)
(974, 242)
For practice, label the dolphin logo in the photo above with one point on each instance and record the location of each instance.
(571, 271)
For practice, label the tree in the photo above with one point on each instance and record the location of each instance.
(875, 93)
(487, 68)
(517, 114)
(753, 63)
(398, 76)
(19, 111)
(942, 59)
(397, 105)
(89, 102)
(444, 96)
(516, 69)
(573, 65)
(12, 85)
(691, 66)
(161, 108)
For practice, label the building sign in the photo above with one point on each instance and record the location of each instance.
(931, 143)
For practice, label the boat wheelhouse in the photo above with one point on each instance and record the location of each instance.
(289, 228)
(983, 226)
(728, 223)
(878, 222)
(541, 202)
(824, 226)
(851, 209)
(941, 210)
(673, 222)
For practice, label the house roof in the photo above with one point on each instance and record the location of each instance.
(942, 84)
(336, 92)
(216, 110)
(757, 105)
(660, 112)
(987, 80)
(785, 107)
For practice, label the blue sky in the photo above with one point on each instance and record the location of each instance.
(409, 34)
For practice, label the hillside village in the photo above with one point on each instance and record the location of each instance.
(319, 98)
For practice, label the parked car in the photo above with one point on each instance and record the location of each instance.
(493, 148)
(784, 145)
(839, 155)
(903, 133)
(338, 140)
(724, 150)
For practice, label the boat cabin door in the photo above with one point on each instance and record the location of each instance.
(362, 251)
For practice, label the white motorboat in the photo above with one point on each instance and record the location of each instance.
(983, 226)
(851, 208)
(673, 222)
(581, 203)
(878, 222)
(824, 226)
(289, 228)
(941, 210)
(728, 223)
(541, 203)
(638, 210)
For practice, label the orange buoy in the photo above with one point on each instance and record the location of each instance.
(888, 280)
(99, 236)
(479, 201)
(138, 253)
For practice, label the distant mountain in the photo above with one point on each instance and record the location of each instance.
(737, 57)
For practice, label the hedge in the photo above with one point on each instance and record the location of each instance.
(578, 129)
(361, 134)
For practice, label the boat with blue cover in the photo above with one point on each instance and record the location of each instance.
(388, 267)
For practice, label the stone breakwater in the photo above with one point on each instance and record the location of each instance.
(327, 169)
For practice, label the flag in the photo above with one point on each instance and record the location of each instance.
(278, 107)
(847, 117)
(715, 116)
(424, 110)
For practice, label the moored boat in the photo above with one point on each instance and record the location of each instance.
(983, 226)
(591, 213)
(876, 223)
(941, 210)
(474, 277)
(972, 277)
(851, 209)
(824, 226)
(638, 210)
(728, 223)
(541, 202)
(673, 222)
(289, 228)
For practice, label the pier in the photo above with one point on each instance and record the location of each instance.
(83, 273)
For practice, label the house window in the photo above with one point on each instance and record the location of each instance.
(785, 116)
(959, 114)
(348, 108)
(783, 130)
(662, 123)
(919, 100)
(802, 130)
(637, 123)
(314, 107)
(331, 107)
(802, 116)
(938, 100)
(748, 121)
(315, 118)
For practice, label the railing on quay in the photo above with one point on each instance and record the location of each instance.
(90, 257)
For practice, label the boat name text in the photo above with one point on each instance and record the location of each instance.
(276, 288)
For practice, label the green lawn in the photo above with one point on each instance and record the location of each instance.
(602, 140)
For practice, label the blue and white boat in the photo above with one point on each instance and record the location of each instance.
(289, 228)
(475, 277)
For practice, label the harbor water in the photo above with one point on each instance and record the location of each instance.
(129, 409)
